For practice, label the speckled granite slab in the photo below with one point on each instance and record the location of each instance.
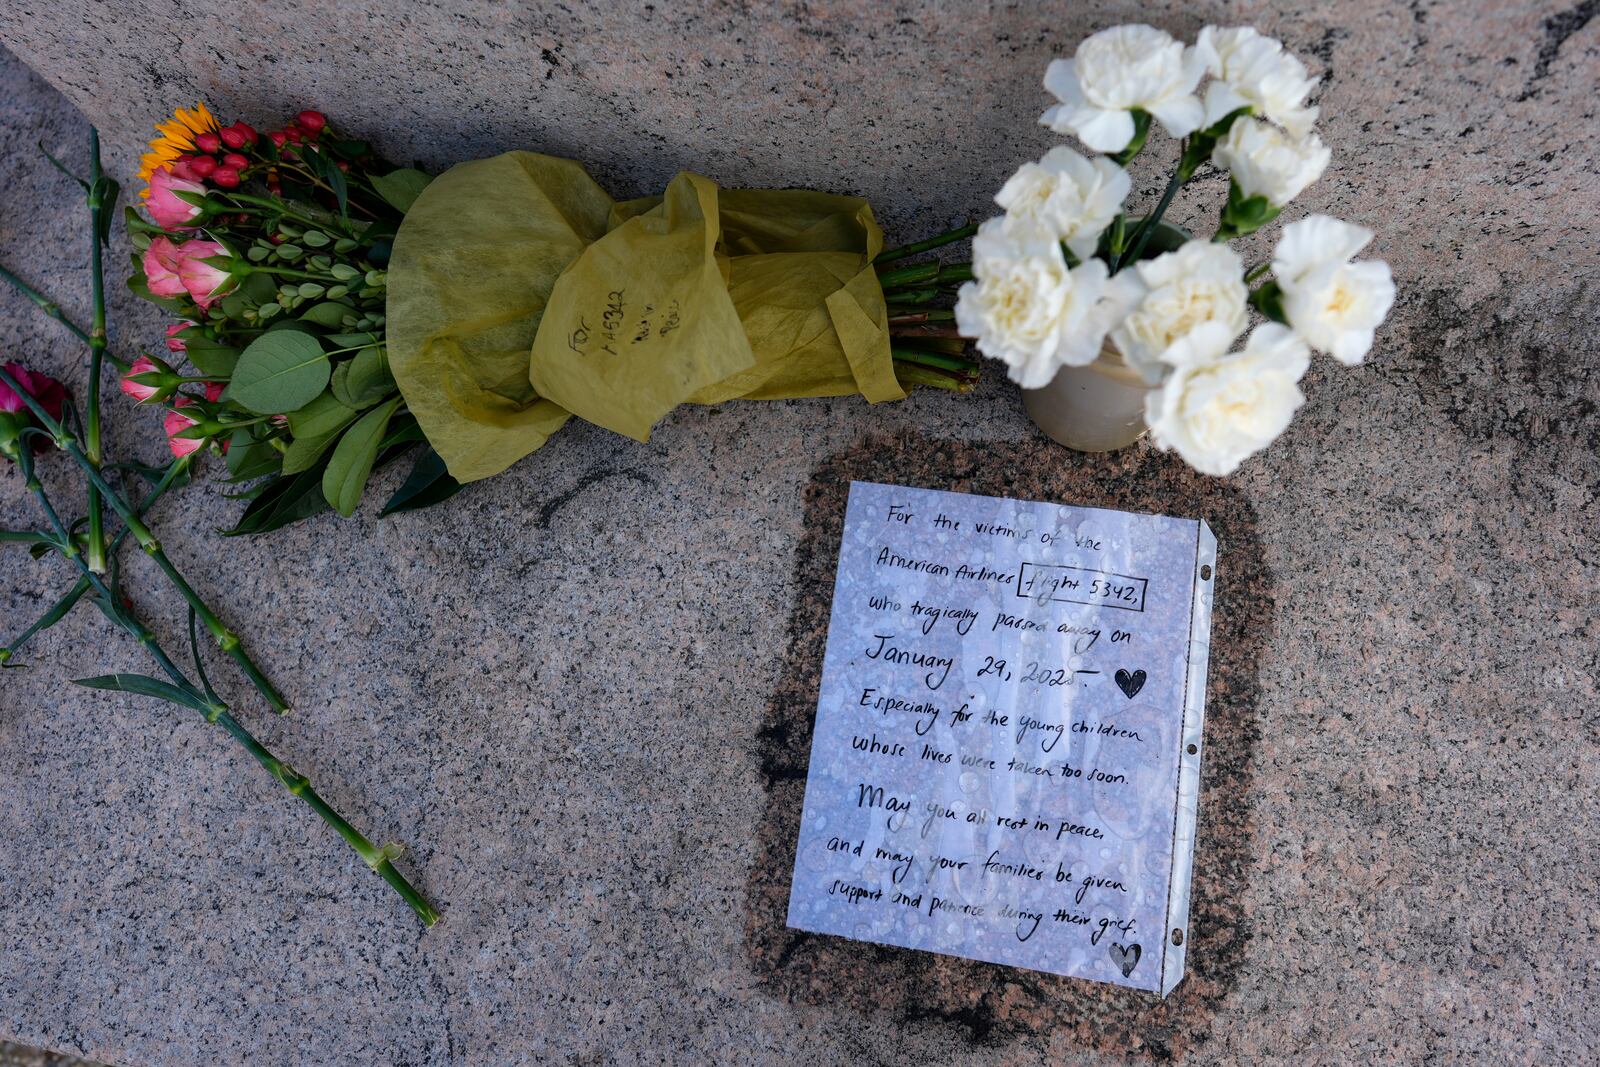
(1006, 757)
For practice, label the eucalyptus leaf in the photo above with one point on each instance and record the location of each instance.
(280, 371)
(401, 187)
(352, 460)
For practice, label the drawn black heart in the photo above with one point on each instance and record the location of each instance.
(1130, 684)
(1126, 958)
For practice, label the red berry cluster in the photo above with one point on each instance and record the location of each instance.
(209, 163)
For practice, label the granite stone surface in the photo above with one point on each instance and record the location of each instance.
(581, 692)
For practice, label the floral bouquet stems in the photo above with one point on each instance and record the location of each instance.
(35, 414)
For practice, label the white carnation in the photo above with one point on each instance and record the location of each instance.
(1170, 296)
(1120, 69)
(1027, 309)
(1216, 409)
(1255, 72)
(1067, 195)
(1334, 304)
(1267, 162)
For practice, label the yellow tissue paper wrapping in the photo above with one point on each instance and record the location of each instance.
(520, 294)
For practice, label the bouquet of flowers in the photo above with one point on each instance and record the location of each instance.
(1066, 267)
(338, 312)
(38, 415)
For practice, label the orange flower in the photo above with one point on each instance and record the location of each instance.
(177, 139)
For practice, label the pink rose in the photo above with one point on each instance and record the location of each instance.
(201, 279)
(166, 207)
(175, 423)
(161, 263)
(174, 342)
(139, 390)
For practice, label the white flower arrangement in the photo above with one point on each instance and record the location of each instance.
(1064, 270)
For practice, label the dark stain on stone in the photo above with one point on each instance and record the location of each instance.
(1496, 373)
(552, 507)
(989, 1005)
(1557, 28)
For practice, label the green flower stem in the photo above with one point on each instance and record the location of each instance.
(97, 351)
(53, 310)
(949, 237)
(379, 859)
(317, 183)
(934, 359)
(1257, 271)
(21, 535)
(912, 374)
(1141, 237)
(66, 603)
(281, 208)
(914, 316)
(226, 639)
(289, 272)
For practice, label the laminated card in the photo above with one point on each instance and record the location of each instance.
(1007, 752)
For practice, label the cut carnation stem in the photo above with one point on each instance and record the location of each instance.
(226, 639)
(911, 374)
(60, 608)
(923, 330)
(379, 859)
(97, 352)
(923, 358)
(949, 237)
(915, 274)
(913, 316)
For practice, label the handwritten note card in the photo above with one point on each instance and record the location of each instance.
(1007, 751)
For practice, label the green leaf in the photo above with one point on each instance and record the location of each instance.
(353, 340)
(427, 484)
(144, 685)
(401, 187)
(212, 358)
(280, 371)
(329, 314)
(248, 458)
(315, 427)
(284, 500)
(108, 191)
(351, 463)
(364, 380)
(253, 291)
